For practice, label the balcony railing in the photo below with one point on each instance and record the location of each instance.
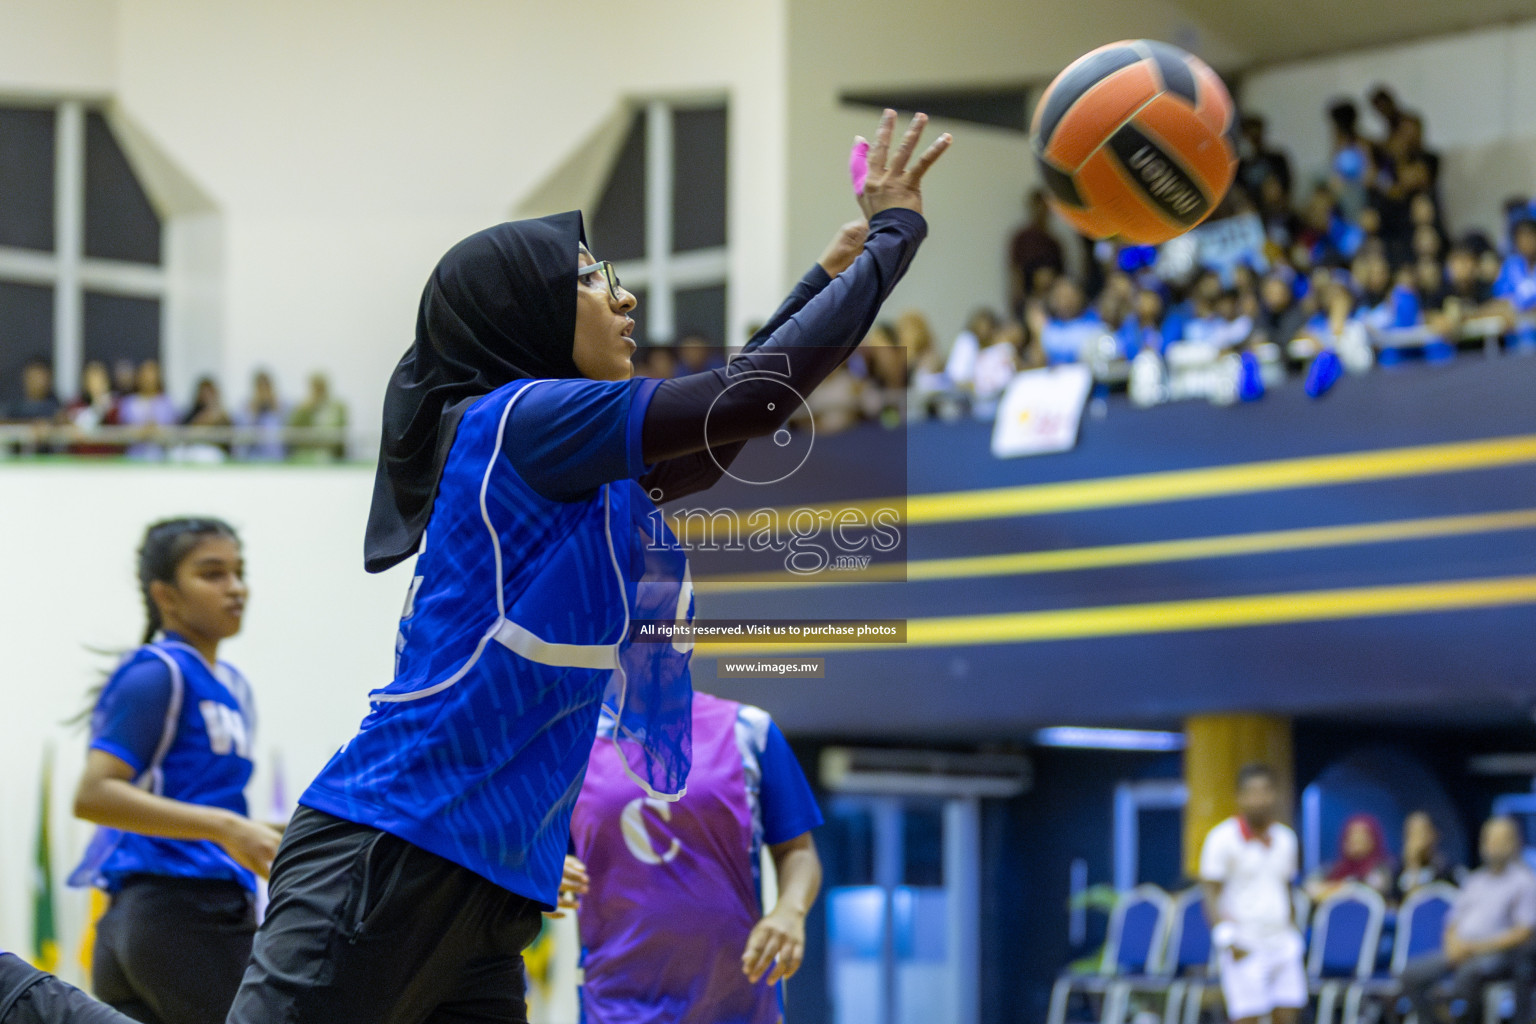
(177, 444)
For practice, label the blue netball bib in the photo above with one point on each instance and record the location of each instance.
(185, 727)
(514, 630)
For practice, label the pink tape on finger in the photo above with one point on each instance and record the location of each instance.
(858, 165)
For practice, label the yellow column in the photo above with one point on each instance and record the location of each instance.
(1216, 747)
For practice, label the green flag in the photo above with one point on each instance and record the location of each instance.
(45, 936)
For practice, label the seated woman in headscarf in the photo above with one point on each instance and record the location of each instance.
(1363, 857)
(521, 463)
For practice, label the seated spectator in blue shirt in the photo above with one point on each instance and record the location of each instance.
(1490, 922)
(1212, 317)
(1332, 323)
(1219, 324)
(1517, 208)
(1386, 309)
(1312, 290)
(1178, 308)
(1516, 283)
(148, 407)
(38, 403)
(1067, 328)
(1134, 316)
(267, 414)
(1142, 330)
(1326, 234)
(1197, 302)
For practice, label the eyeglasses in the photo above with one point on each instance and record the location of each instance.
(608, 272)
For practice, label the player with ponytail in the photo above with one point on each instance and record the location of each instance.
(164, 779)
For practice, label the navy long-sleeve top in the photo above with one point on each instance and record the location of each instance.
(570, 438)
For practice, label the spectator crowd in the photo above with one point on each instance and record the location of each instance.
(1365, 270)
(126, 411)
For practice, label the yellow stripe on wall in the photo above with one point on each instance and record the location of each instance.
(1106, 556)
(1184, 616)
(1187, 484)
(1217, 481)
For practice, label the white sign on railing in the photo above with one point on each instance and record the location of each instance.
(1041, 411)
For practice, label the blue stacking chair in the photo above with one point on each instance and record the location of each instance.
(1186, 961)
(1346, 932)
(1138, 933)
(1190, 963)
(1301, 912)
(1420, 927)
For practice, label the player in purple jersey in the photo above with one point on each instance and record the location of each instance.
(520, 464)
(671, 917)
(164, 779)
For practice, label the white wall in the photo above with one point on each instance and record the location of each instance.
(49, 47)
(319, 633)
(1476, 90)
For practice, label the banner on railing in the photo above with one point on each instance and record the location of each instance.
(1041, 411)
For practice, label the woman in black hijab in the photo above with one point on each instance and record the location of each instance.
(521, 462)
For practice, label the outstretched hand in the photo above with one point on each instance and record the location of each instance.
(888, 181)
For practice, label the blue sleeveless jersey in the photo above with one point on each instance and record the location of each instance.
(185, 728)
(514, 635)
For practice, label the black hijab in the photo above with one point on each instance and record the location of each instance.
(500, 306)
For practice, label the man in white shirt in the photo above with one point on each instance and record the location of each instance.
(1247, 866)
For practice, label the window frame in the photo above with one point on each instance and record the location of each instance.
(662, 272)
(67, 270)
